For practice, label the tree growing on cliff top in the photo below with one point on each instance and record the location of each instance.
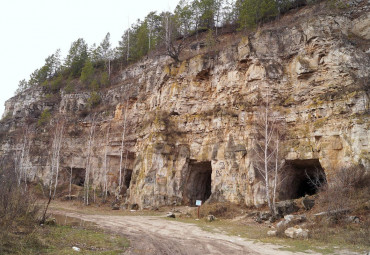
(267, 153)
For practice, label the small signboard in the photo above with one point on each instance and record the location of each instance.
(198, 202)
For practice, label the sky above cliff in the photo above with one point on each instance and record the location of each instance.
(33, 30)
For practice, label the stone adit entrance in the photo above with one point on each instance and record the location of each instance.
(302, 177)
(198, 182)
(78, 176)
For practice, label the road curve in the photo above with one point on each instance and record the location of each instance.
(155, 235)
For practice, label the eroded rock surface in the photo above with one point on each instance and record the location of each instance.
(189, 126)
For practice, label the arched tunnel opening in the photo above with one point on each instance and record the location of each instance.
(302, 177)
(198, 182)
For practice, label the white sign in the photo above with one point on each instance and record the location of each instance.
(198, 202)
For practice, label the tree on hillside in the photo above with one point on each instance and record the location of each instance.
(251, 12)
(77, 55)
(87, 73)
(267, 153)
(105, 52)
(22, 86)
(183, 16)
(173, 47)
(49, 70)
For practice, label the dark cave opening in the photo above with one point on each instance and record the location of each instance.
(302, 177)
(78, 176)
(198, 183)
(128, 176)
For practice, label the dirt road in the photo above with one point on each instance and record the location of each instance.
(156, 235)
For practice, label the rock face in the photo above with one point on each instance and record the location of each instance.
(189, 126)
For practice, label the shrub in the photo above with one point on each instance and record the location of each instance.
(44, 118)
(104, 79)
(18, 208)
(94, 99)
(347, 190)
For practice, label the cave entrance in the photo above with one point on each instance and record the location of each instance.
(78, 176)
(302, 177)
(198, 183)
(128, 176)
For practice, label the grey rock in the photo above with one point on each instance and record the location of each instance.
(296, 232)
(286, 207)
(170, 215)
(211, 218)
(272, 232)
(308, 203)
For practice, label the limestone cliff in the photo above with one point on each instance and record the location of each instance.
(188, 126)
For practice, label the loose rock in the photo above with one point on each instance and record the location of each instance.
(296, 232)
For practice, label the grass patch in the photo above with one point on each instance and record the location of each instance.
(61, 239)
(335, 241)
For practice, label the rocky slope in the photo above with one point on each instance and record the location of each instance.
(187, 128)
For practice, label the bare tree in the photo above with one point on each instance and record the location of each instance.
(21, 158)
(267, 160)
(105, 184)
(173, 47)
(88, 161)
(55, 161)
(70, 179)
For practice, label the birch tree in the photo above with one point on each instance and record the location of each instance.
(105, 179)
(267, 156)
(88, 161)
(55, 157)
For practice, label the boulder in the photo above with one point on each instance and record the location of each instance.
(51, 222)
(170, 215)
(265, 215)
(308, 203)
(115, 206)
(353, 219)
(272, 232)
(296, 232)
(291, 219)
(286, 207)
(211, 218)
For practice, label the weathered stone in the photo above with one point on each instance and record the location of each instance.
(353, 219)
(51, 221)
(296, 232)
(286, 207)
(308, 203)
(170, 215)
(211, 218)
(201, 112)
(272, 233)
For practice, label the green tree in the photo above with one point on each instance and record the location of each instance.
(49, 70)
(251, 12)
(94, 99)
(77, 56)
(22, 86)
(87, 73)
(104, 79)
(183, 16)
(44, 118)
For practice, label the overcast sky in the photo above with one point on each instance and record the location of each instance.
(33, 30)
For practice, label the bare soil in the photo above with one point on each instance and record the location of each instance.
(157, 235)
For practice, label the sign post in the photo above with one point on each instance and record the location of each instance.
(198, 203)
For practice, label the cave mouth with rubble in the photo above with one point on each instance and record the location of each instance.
(198, 182)
(302, 177)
